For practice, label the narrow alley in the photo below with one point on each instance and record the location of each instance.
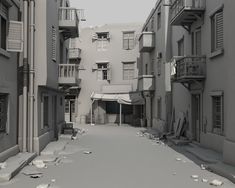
(120, 157)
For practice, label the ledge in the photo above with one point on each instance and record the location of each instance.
(216, 53)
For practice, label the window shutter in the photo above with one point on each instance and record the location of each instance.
(109, 73)
(219, 30)
(15, 37)
(53, 43)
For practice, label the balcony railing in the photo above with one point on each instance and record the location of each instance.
(190, 68)
(68, 74)
(146, 83)
(186, 11)
(74, 53)
(147, 42)
(68, 21)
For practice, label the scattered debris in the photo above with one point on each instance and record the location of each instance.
(195, 176)
(216, 182)
(203, 167)
(87, 152)
(39, 163)
(43, 186)
(53, 180)
(29, 172)
(178, 159)
(35, 176)
(196, 180)
(3, 165)
(204, 180)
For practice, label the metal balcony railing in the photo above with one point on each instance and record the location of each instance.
(68, 73)
(179, 6)
(190, 68)
(68, 14)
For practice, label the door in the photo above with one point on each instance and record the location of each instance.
(196, 117)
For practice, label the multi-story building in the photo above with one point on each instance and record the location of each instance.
(9, 59)
(154, 72)
(109, 74)
(203, 84)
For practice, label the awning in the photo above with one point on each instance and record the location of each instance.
(128, 98)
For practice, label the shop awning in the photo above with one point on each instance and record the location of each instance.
(128, 98)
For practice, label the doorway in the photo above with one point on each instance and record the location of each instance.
(70, 110)
(196, 117)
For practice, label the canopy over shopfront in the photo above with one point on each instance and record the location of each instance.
(128, 98)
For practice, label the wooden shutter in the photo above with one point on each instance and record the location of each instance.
(109, 72)
(15, 37)
(219, 30)
(53, 43)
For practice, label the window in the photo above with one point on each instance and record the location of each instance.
(159, 108)
(3, 25)
(102, 40)
(152, 24)
(196, 42)
(128, 40)
(102, 71)
(128, 70)
(159, 63)
(53, 43)
(66, 106)
(45, 111)
(217, 114)
(217, 38)
(181, 47)
(159, 18)
(3, 112)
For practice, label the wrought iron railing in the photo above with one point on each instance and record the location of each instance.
(178, 5)
(191, 67)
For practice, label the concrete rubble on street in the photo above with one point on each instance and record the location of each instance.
(117, 151)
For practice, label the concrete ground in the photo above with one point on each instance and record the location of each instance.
(120, 159)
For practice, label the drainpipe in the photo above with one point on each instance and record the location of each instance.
(31, 77)
(25, 75)
(120, 115)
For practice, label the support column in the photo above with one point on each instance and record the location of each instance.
(120, 118)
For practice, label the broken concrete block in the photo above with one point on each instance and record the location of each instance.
(195, 176)
(204, 180)
(3, 165)
(39, 163)
(43, 186)
(216, 182)
(87, 152)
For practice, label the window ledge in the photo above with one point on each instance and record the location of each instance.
(216, 53)
(4, 53)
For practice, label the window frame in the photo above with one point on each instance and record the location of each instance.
(7, 114)
(128, 39)
(213, 19)
(103, 70)
(217, 129)
(6, 18)
(127, 70)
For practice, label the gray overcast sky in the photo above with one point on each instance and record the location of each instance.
(99, 12)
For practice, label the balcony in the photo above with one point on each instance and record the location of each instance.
(146, 83)
(185, 12)
(68, 74)
(75, 53)
(68, 22)
(147, 42)
(190, 68)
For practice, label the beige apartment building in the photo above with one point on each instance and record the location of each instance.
(154, 72)
(34, 51)
(196, 92)
(203, 77)
(109, 75)
(9, 58)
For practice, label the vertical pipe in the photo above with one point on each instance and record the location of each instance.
(120, 118)
(31, 77)
(25, 75)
